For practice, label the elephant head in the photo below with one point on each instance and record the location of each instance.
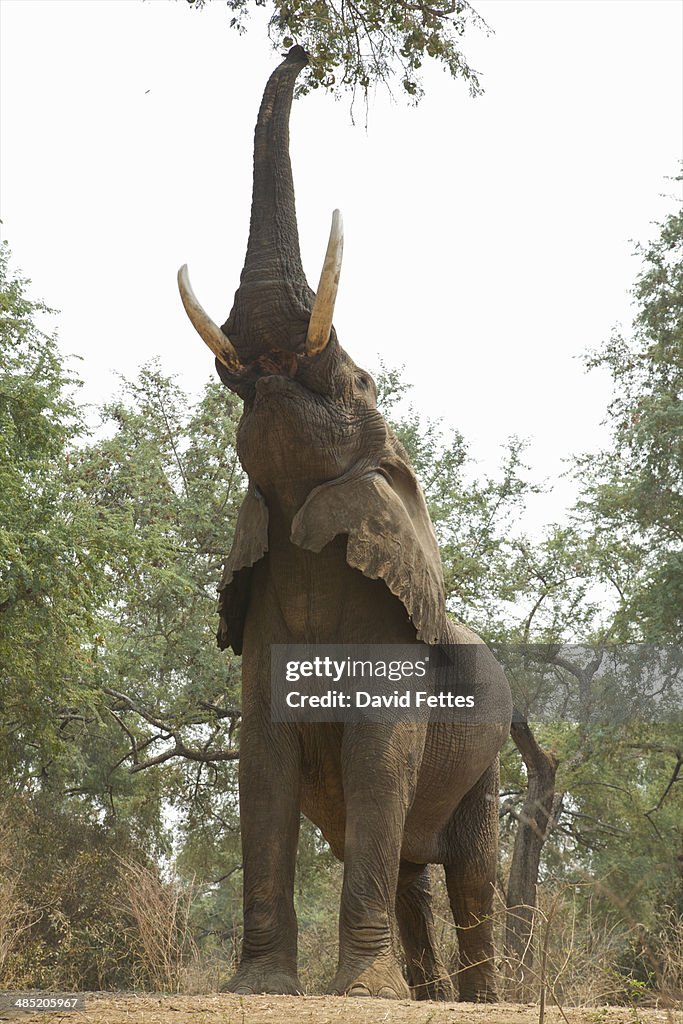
(311, 440)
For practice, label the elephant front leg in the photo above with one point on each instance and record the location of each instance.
(269, 820)
(378, 788)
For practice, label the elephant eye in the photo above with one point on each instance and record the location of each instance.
(362, 381)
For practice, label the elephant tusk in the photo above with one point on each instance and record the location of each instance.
(320, 324)
(209, 332)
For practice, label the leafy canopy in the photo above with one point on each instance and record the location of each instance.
(360, 42)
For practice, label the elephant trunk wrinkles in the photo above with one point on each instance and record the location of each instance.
(273, 302)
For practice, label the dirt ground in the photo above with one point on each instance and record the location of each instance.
(229, 1009)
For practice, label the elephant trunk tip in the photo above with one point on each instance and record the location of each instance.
(296, 55)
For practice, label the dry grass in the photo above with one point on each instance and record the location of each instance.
(671, 944)
(166, 953)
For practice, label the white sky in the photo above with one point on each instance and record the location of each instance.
(487, 241)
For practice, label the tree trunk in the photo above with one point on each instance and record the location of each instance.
(537, 818)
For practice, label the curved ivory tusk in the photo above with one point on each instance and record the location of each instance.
(320, 324)
(208, 331)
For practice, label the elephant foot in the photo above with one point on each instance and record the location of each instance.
(438, 990)
(253, 980)
(487, 996)
(383, 979)
(484, 992)
(477, 984)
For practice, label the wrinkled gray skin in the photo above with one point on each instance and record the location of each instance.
(334, 545)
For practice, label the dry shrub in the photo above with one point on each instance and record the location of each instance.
(17, 917)
(581, 955)
(584, 951)
(166, 953)
(670, 949)
(597, 957)
(60, 908)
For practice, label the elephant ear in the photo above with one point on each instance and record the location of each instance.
(249, 545)
(390, 537)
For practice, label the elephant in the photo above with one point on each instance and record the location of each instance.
(334, 545)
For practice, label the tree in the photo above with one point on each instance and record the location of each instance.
(57, 842)
(632, 502)
(612, 573)
(631, 516)
(615, 573)
(164, 471)
(359, 42)
(51, 576)
(475, 516)
(113, 549)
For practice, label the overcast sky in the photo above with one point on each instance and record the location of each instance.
(487, 242)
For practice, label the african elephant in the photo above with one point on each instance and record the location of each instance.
(334, 544)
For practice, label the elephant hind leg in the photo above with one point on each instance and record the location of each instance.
(470, 880)
(427, 976)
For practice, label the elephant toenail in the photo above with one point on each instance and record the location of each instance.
(359, 990)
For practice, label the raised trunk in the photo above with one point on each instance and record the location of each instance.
(273, 302)
(539, 812)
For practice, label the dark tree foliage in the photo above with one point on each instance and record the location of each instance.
(355, 43)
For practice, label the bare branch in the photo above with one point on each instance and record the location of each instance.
(180, 750)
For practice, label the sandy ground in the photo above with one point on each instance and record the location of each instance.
(230, 1009)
